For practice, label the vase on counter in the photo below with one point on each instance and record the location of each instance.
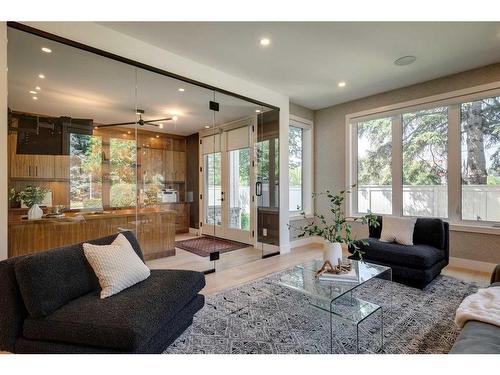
(333, 252)
(35, 212)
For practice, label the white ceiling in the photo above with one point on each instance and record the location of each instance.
(79, 84)
(306, 60)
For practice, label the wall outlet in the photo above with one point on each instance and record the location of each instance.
(264, 232)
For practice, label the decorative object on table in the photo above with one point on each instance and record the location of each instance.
(339, 269)
(334, 230)
(32, 196)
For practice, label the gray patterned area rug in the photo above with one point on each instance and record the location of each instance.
(264, 317)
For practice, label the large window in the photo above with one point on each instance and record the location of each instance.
(85, 172)
(295, 167)
(425, 162)
(123, 156)
(409, 162)
(374, 187)
(480, 140)
(300, 166)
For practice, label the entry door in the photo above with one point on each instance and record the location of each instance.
(212, 196)
(228, 184)
(238, 184)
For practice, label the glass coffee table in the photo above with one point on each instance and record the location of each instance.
(335, 296)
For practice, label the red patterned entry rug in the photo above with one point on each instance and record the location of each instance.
(205, 245)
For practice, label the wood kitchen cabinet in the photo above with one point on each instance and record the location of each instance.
(169, 165)
(152, 163)
(61, 167)
(32, 166)
(179, 165)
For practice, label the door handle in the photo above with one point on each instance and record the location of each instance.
(258, 188)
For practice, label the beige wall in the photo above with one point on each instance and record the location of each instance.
(330, 147)
(303, 112)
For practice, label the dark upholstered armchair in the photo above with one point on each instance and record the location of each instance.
(415, 265)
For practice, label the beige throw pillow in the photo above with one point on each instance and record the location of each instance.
(397, 229)
(117, 266)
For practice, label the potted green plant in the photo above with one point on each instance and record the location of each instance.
(32, 196)
(334, 229)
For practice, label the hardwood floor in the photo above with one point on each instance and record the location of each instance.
(244, 265)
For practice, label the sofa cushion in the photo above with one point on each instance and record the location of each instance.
(398, 229)
(117, 266)
(429, 232)
(124, 321)
(416, 256)
(478, 338)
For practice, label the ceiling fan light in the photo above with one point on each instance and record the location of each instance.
(175, 118)
(160, 126)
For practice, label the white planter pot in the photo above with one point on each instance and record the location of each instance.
(333, 252)
(35, 212)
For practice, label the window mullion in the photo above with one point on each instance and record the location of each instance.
(454, 172)
(397, 166)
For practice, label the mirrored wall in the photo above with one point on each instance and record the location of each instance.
(97, 146)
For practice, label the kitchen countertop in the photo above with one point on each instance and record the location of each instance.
(79, 216)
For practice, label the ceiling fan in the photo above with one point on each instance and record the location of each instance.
(142, 122)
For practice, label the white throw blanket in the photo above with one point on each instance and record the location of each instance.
(483, 306)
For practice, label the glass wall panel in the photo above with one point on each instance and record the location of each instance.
(62, 154)
(173, 115)
(104, 147)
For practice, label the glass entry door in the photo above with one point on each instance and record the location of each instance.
(237, 184)
(228, 184)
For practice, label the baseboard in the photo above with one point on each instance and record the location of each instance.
(306, 241)
(194, 231)
(473, 265)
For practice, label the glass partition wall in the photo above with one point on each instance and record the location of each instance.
(104, 147)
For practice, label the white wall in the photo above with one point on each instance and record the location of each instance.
(112, 41)
(3, 141)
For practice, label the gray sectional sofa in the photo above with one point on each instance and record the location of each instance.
(49, 303)
(478, 337)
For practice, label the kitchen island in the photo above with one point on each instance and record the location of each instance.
(153, 227)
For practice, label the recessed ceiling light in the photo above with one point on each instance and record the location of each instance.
(265, 42)
(35, 98)
(33, 92)
(341, 84)
(257, 111)
(181, 89)
(129, 132)
(161, 126)
(38, 88)
(175, 118)
(41, 76)
(405, 60)
(207, 126)
(157, 136)
(46, 50)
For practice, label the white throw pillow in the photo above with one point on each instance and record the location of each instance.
(398, 229)
(117, 266)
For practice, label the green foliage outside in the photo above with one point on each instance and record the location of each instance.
(245, 221)
(123, 195)
(425, 146)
